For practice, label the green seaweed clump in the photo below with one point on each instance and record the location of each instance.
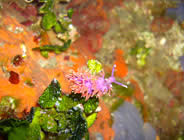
(141, 52)
(77, 124)
(65, 103)
(7, 106)
(58, 115)
(47, 6)
(60, 24)
(53, 48)
(34, 129)
(50, 95)
(21, 129)
(48, 21)
(91, 119)
(48, 123)
(91, 105)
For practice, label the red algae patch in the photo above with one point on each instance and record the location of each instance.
(89, 17)
(86, 47)
(14, 77)
(174, 83)
(91, 22)
(110, 4)
(17, 60)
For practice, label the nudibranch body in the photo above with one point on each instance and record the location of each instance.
(89, 85)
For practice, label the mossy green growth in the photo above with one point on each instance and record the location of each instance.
(141, 56)
(72, 124)
(42, 135)
(58, 28)
(77, 124)
(26, 129)
(47, 120)
(48, 123)
(50, 95)
(44, 53)
(139, 44)
(91, 119)
(70, 12)
(49, 20)
(53, 48)
(62, 122)
(8, 102)
(47, 6)
(141, 52)
(67, 120)
(65, 22)
(7, 106)
(91, 105)
(34, 131)
(60, 24)
(65, 103)
(18, 133)
(7, 125)
(94, 66)
(77, 98)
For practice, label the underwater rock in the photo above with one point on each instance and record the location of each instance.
(128, 124)
(149, 132)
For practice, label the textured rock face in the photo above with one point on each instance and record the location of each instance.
(128, 124)
(149, 132)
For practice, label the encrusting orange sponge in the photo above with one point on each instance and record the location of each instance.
(121, 68)
(24, 73)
